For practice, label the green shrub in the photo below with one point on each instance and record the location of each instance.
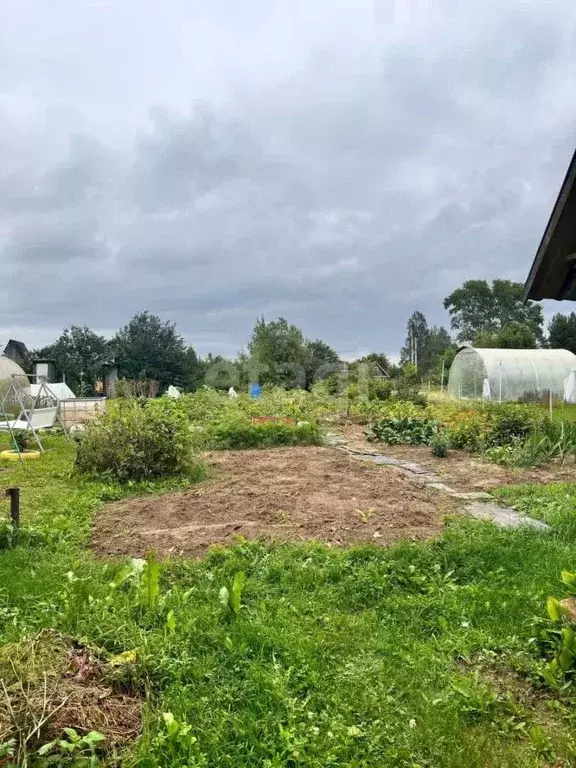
(480, 426)
(508, 423)
(409, 392)
(407, 430)
(439, 447)
(379, 389)
(237, 436)
(22, 440)
(136, 441)
(505, 455)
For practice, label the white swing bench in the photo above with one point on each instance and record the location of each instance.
(38, 417)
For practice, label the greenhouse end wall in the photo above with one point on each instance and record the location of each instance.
(509, 374)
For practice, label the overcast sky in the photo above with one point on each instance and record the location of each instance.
(337, 162)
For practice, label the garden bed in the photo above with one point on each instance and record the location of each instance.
(290, 494)
(463, 471)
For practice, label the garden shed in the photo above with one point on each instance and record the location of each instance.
(509, 374)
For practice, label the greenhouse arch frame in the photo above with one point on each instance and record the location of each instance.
(509, 374)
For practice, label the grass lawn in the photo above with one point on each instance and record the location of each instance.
(419, 656)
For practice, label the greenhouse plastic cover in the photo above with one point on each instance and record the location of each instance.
(570, 388)
(60, 390)
(510, 373)
(11, 372)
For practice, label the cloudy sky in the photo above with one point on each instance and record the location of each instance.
(337, 162)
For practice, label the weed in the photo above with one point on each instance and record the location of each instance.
(7, 534)
(439, 447)
(7, 749)
(75, 750)
(144, 576)
(231, 596)
(21, 440)
(365, 515)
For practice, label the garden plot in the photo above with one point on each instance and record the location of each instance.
(461, 470)
(288, 494)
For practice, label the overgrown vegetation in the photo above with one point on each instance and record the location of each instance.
(22, 440)
(137, 441)
(242, 435)
(408, 430)
(302, 655)
(154, 438)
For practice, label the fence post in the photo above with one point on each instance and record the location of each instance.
(14, 495)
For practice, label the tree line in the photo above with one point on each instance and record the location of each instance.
(485, 314)
(148, 348)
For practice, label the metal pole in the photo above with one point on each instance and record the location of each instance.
(14, 495)
(551, 410)
(442, 381)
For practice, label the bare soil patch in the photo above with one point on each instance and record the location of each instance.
(290, 494)
(461, 470)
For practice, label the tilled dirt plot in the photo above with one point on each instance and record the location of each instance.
(291, 494)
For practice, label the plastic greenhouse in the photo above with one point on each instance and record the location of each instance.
(10, 373)
(508, 374)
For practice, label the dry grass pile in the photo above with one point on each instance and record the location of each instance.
(47, 684)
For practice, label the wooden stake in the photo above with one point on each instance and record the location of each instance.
(14, 495)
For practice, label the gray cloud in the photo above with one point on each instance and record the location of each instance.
(341, 165)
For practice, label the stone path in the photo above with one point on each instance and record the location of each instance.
(483, 506)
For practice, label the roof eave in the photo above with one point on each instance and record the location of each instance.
(552, 258)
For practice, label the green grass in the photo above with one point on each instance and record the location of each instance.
(554, 503)
(564, 411)
(416, 656)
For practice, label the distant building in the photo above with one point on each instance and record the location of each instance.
(378, 372)
(44, 368)
(16, 351)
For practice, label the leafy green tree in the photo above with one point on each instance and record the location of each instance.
(79, 355)
(222, 373)
(192, 369)
(511, 336)
(440, 348)
(478, 307)
(562, 332)
(151, 348)
(278, 353)
(321, 361)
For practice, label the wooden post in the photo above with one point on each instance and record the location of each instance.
(14, 494)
